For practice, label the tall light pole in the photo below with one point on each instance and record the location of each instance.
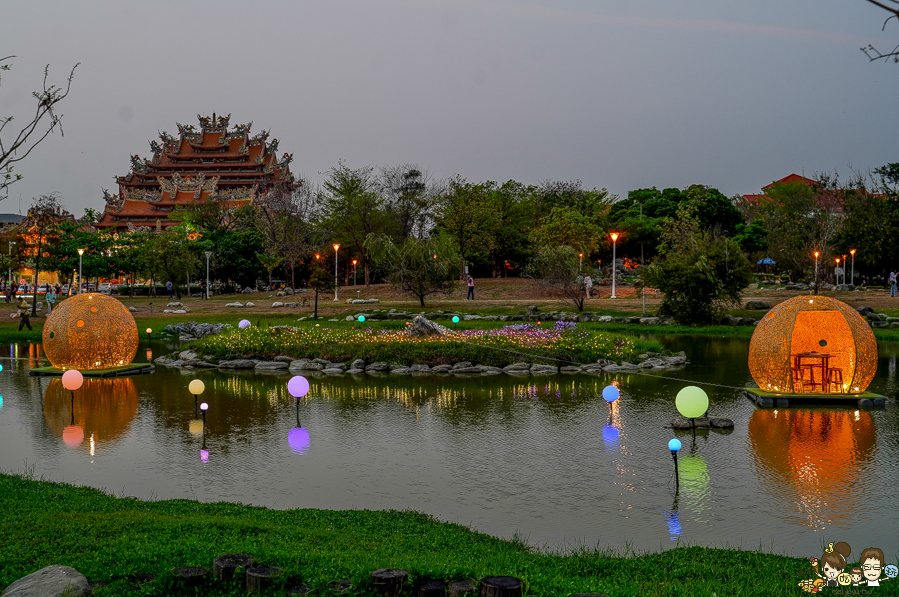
(336, 248)
(354, 272)
(80, 253)
(837, 274)
(614, 236)
(9, 273)
(816, 272)
(844, 270)
(580, 263)
(852, 252)
(208, 255)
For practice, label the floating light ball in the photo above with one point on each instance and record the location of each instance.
(244, 323)
(149, 331)
(196, 387)
(72, 380)
(1, 367)
(298, 440)
(455, 319)
(362, 319)
(204, 407)
(90, 332)
(674, 445)
(692, 402)
(610, 393)
(819, 325)
(298, 386)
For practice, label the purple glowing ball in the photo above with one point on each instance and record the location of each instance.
(244, 323)
(204, 455)
(298, 438)
(298, 386)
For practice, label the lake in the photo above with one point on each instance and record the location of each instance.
(542, 457)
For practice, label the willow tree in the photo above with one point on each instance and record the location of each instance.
(420, 267)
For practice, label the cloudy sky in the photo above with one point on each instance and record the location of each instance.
(620, 94)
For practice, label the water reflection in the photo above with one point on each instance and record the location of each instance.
(672, 520)
(102, 408)
(298, 439)
(816, 459)
(695, 486)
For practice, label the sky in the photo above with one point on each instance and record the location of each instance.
(620, 94)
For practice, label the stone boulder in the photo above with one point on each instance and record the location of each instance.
(684, 422)
(865, 310)
(277, 304)
(363, 301)
(234, 304)
(757, 305)
(721, 423)
(52, 581)
(175, 305)
(358, 364)
(238, 364)
(249, 304)
(377, 367)
(537, 369)
(271, 366)
(422, 326)
(304, 365)
(280, 293)
(247, 290)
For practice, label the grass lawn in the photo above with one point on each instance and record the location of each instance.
(107, 538)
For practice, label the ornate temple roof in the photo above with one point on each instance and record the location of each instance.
(216, 162)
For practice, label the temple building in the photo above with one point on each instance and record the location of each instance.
(210, 164)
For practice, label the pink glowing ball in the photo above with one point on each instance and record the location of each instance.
(72, 379)
(73, 435)
(298, 386)
(298, 439)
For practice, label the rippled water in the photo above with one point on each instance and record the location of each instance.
(543, 457)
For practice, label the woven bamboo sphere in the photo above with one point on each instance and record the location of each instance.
(89, 332)
(812, 324)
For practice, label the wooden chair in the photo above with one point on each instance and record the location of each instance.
(835, 376)
(798, 381)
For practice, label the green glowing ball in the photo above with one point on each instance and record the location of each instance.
(692, 402)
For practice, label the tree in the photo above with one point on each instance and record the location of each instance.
(285, 217)
(168, 253)
(355, 208)
(98, 258)
(270, 263)
(464, 214)
(409, 197)
(41, 228)
(420, 267)
(321, 280)
(569, 227)
(558, 268)
(45, 120)
(871, 219)
(699, 271)
(892, 7)
(753, 239)
(511, 216)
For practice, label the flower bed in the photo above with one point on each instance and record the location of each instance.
(563, 343)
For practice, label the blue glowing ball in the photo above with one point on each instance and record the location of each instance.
(361, 318)
(455, 319)
(243, 324)
(610, 393)
(1, 367)
(674, 445)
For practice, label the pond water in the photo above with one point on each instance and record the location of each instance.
(535, 456)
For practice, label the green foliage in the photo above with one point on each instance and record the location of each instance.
(871, 225)
(752, 238)
(167, 254)
(559, 268)
(569, 227)
(420, 267)
(464, 214)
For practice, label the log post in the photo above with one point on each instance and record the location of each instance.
(429, 587)
(190, 576)
(389, 581)
(223, 567)
(340, 586)
(299, 591)
(461, 588)
(261, 577)
(501, 586)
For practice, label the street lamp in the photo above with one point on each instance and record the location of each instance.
(816, 272)
(336, 248)
(836, 273)
(852, 252)
(80, 253)
(208, 255)
(844, 269)
(354, 272)
(580, 262)
(614, 236)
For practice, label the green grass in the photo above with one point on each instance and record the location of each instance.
(107, 538)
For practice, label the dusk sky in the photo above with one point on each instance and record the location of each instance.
(619, 94)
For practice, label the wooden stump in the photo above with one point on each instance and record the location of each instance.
(389, 581)
(501, 586)
(340, 586)
(428, 587)
(190, 576)
(223, 567)
(299, 591)
(461, 588)
(261, 577)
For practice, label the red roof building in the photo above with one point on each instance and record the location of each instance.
(826, 199)
(792, 178)
(210, 164)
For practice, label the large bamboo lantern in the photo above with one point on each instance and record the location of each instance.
(816, 324)
(89, 332)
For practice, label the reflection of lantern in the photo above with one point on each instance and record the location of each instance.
(694, 483)
(88, 332)
(814, 460)
(813, 324)
(73, 435)
(298, 439)
(195, 427)
(103, 407)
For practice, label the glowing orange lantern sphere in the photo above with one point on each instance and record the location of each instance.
(815, 324)
(89, 332)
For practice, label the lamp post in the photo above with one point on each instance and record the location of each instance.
(816, 272)
(196, 387)
(336, 248)
(844, 270)
(80, 253)
(836, 273)
(354, 272)
(614, 236)
(208, 255)
(580, 262)
(674, 445)
(203, 408)
(9, 273)
(852, 252)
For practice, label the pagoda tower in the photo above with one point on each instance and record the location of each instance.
(210, 164)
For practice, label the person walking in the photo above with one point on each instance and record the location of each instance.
(470, 296)
(24, 312)
(892, 282)
(169, 287)
(50, 297)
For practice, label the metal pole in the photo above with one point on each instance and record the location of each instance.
(208, 255)
(80, 252)
(335, 273)
(613, 268)
(853, 269)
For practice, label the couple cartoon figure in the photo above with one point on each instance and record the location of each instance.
(835, 570)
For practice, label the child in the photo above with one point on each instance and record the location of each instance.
(833, 562)
(856, 574)
(24, 309)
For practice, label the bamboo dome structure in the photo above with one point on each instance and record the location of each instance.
(90, 332)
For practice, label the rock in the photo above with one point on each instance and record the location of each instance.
(490, 318)
(461, 365)
(678, 359)
(865, 310)
(401, 370)
(358, 364)
(304, 365)
(249, 304)
(517, 367)
(721, 423)
(333, 371)
(280, 293)
(537, 369)
(187, 355)
(748, 321)
(52, 581)
(684, 423)
(420, 367)
(569, 369)
(277, 304)
(441, 368)
(132, 309)
(649, 320)
(175, 305)
(271, 366)
(604, 318)
(422, 327)
(489, 369)
(238, 364)
(247, 290)
(288, 291)
(757, 305)
(377, 367)
(389, 581)
(462, 370)
(235, 304)
(879, 324)
(363, 301)
(354, 371)
(471, 317)
(592, 368)
(284, 359)
(533, 309)
(186, 337)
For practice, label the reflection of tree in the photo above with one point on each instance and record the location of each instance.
(104, 408)
(816, 460)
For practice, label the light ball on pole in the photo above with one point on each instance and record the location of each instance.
(674, 445)
(196, 387)
(72, 380)
(298, 386)
(692, 402)
(244, 323)
(362, 319)
(204, 407)
(610, 394)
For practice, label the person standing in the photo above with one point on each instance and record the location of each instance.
(892, 282)
(588, 284)
(50, 297)
(168, 286)
(24, 312)
(470, 296)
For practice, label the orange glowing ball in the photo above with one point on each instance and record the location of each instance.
(73, 435)
(89, 332)
(816, 324)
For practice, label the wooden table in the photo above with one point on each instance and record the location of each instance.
(812, 361)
